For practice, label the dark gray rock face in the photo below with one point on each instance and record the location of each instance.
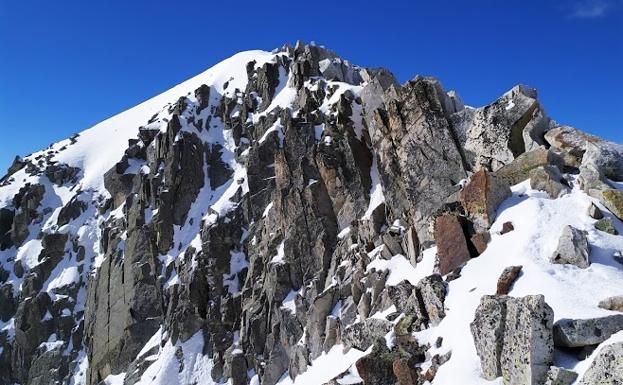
(26, 202)
(413, 138)
(513, 338)
(585, 332)
(251, 229)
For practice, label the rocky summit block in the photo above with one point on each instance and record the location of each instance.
(513, 338)
(573, 248)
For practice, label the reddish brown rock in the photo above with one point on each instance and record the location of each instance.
(452, 249)
(482, 195)
(507, 227)
(480, 241)
(405, 374)
(507, 279)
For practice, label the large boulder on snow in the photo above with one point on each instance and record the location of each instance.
(548, 178)
(513, 338)
(573, 248)
(452, 246)
(433, 290)
(607, 367)
(573, 333)
(362, 335)
(482, 195)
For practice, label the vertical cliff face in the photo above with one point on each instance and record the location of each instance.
(289, 217)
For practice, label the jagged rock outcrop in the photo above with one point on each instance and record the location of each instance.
(264, 215)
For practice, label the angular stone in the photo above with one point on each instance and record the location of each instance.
(607, 367)
(606, 225)
(377, 367)
(6, 222)
(560, 376)
(519, 169)
(452, 249)
(482, 195)
(363, 334)
(507, 227)
(507, 279)
(548, 179)
(433, 290)
(573, 248)
(613, 200)
(513, 338)
(404, 297)
(495, 133)
(488, 333)
(572, 333)
(594, 212)
(411, 245)
(480, 241)
(528, 348)
(612, 303)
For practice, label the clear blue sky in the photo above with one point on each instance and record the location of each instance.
(66, 65)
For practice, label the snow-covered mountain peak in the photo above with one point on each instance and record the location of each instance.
(290, 217)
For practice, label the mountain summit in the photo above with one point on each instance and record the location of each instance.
(288, 217)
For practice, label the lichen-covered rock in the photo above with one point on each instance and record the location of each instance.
(560, 376)
(363, 334)
(377, 367)
(548, 179)
(519, 169)
(606, 225)
(513, 338)
(607, 367)
(433, 290)
(613, 200)
(573, 248)
(573, 333)
(500, 132)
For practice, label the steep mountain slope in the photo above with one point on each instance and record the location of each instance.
(289, 217)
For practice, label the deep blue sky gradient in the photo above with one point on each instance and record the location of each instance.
(66, 65)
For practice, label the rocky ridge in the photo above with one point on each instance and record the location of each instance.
(290, 208)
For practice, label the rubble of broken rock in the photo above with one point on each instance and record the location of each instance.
(288, 217)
